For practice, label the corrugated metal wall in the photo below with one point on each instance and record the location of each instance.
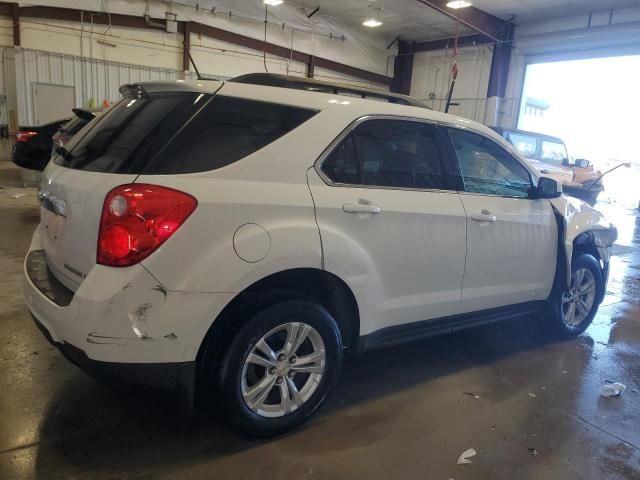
(93, 80)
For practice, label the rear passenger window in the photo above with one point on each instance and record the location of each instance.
(179, 132)
(226, 130)
(388, 153)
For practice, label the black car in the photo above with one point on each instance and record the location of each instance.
(34, 145)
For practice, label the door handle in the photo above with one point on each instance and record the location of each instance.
(360, 208)
(485, 216)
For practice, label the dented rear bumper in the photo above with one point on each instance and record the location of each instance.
(169, 376)
(121, 322)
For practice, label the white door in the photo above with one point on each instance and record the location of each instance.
(52, 102)
(511, 238)
(390, 223)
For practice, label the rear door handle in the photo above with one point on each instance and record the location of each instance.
(360, 208)
(483, 217)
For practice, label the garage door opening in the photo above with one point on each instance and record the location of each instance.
(593, 105)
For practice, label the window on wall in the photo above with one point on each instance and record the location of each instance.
(487, 168)
(388, 153)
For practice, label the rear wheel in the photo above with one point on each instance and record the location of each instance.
(573, 310)
(279, 368)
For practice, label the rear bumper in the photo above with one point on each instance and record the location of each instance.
(168, 376)
(121, 323)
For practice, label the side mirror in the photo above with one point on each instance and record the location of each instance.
(582, 163)
(548, 188)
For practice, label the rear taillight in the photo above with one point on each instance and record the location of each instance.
(24, 136)
(137, 219)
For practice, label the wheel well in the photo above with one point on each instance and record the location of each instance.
(584, 243)
(312, 284)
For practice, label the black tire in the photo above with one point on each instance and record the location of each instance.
(236, 410)
(555, 317)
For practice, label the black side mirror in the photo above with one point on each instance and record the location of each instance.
(548, 188)
(582, 163)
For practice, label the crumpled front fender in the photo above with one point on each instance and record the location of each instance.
(579, 218)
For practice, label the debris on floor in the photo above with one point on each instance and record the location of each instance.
(463, 459)
(471, 394)
(18, 195)
(533, 452)
(532, 395)
(609, 390)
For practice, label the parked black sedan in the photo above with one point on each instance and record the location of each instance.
(34, 145)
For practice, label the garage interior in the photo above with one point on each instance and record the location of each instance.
(528, 404)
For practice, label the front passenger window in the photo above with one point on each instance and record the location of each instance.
(487, 168)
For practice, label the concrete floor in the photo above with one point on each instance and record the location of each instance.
(404, 413)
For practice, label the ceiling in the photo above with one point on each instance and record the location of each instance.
(527, 11)
(417, 22)
(408, 18)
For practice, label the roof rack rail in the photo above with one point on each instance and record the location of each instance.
(301, 83)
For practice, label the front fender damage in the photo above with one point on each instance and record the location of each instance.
(579, 224)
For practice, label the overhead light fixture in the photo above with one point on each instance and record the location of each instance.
(372, 22)
(459, 4)
(273, 3)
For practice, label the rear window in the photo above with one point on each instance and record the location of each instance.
(179, 132)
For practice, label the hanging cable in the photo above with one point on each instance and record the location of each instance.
(264, 47)
(454, 67)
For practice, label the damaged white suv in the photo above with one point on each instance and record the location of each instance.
(240, 236)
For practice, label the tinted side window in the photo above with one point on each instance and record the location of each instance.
(554, 153)
(388, 153)
(342, 166)
(226, 130)
(127, 136)
(487, 168)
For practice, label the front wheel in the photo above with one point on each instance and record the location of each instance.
(573, 310)
(279, 368)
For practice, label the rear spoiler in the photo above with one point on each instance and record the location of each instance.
(83, 114)
(134, 90)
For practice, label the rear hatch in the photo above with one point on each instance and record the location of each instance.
(113, 150)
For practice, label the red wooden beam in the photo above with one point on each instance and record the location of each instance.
(472, 17)
(449, 42)
(15, 17)
(284, 52)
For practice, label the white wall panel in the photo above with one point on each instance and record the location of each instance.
(94, 80)
(432, 78)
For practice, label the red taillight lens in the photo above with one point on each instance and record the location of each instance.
(137, 219)
(24, 136)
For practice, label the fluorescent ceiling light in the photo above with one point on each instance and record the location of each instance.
(457, 4)
(372, 22)
(273, 3)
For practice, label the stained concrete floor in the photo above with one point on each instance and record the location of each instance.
(405, 413)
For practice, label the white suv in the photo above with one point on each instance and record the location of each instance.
(240, 236)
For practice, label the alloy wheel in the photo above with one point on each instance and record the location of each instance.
(578, 301)
(283, 369)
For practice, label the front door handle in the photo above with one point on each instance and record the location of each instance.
(485, 216)
(360, 208)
